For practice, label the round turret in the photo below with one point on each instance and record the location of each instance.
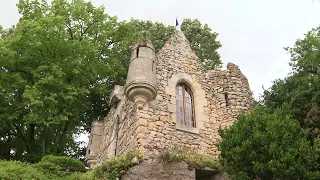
(141, 80)
(94, 143)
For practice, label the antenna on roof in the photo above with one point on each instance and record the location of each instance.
(177, 24)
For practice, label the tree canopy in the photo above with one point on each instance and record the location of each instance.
(203, 42)
(59, 64)
(279, 139)
(268, 145)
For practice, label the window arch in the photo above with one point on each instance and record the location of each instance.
(185, 106)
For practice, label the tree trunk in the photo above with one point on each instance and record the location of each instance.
(31, 137)
(61, 137)
(44, 140)
(22, 136)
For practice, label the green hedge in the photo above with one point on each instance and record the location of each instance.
(12, 170)
(50, 168)
(114, 168)
(66, 163)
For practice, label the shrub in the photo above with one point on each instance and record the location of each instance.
(266, 145)
(51, 170)
(66, 163)
(114, 168)
(199, 161)
(19, 170)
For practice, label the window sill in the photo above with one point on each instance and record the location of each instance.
(187, 129)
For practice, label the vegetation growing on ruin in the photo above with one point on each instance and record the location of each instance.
(114, 168)
(198, 161)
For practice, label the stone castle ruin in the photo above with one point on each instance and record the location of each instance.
(169, 101)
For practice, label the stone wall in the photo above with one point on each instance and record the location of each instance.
(119, 136)
(158, 170)
(94, 143)
(218, 98)
(219, 95)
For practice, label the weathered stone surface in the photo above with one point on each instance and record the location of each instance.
(135, 161)
(155, 169)
(219, 95)
(93, 145)
(160, 171)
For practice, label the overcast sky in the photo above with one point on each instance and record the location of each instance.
(252, 32)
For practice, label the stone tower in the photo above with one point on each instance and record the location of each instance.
(169, 102)
(141, 81)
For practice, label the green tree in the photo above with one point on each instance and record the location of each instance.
(58, 66)
(154, 32)
(301, 88)
(266, 145)
(280, 138)
(203, 41)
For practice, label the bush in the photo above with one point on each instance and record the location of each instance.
(196, 160)
(114, 168)
(50, 168)
(19, 170)
(66, 163)
(265, 145)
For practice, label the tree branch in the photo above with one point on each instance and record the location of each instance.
(19, 131)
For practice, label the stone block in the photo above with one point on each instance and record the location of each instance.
(171, 108)
(143, 122)
(142, 129)
(159, 123)
(116, 95)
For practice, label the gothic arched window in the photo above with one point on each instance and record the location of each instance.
(184, 106)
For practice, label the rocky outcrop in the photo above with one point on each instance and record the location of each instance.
(157, 170)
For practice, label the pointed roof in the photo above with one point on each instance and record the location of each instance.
(177, 54)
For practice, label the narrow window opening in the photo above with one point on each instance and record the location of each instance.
(117, 133)
(152, 66)
(185, 106)
(89, 151)
(137, 52)
(226, 99)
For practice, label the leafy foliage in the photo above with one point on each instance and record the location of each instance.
(301, 89)
(40, 171)
(201, 38)
(64, 162)
(113, 168)
(58, 66)
(11, 170)
(60, 63)
(279, 139)
(147, 31)
(196, 160)
(266, 145)
(203, 41)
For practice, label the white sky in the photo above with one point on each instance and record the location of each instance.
(252, 32)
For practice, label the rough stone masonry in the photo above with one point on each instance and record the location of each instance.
(143, 116)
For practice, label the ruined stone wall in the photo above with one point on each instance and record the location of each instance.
(119, 137)
(159, 171)
(219, 95)
(177, 63)
(154, 169)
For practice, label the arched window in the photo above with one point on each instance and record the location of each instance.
(184, 106)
